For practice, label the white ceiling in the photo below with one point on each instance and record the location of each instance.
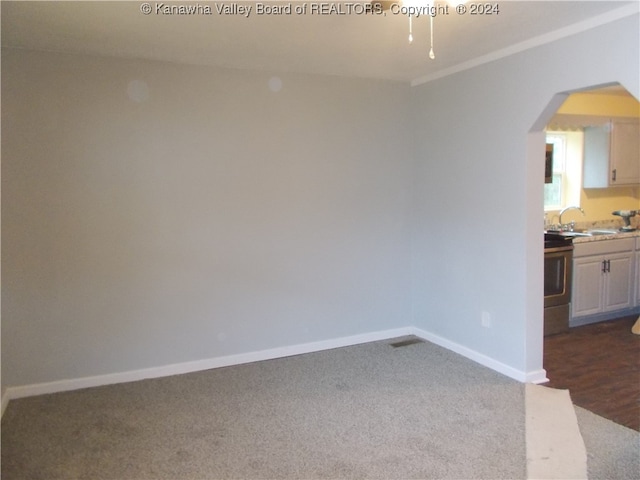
(372, 46)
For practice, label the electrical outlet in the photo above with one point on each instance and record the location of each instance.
(486, 320)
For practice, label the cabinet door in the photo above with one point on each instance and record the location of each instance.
(588, 284)
(596, 168)
(625, 153)
(618, 292)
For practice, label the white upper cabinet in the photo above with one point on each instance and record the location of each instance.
(612, 154)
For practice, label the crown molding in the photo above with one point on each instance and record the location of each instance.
(585, 25)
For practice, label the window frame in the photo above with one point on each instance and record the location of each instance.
(568, 160)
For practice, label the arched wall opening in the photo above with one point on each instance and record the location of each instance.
(535, 278)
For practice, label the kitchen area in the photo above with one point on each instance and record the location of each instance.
(592, 253)
(592, 210)
(591, 275)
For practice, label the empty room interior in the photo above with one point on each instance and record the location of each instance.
(186, 191)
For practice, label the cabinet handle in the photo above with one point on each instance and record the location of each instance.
(609, 266)
(613, 176)
(604, 266)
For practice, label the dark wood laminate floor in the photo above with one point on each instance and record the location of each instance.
(600, 365)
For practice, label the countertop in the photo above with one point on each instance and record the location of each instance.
(598, 238)
(605, 224)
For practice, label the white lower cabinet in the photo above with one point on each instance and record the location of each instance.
(587, 297)
(619, 281)
(603, 277)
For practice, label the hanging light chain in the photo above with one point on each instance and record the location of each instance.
(431, 54)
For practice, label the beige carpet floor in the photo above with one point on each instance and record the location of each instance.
(367, 411)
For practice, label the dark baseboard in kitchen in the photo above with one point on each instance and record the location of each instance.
(603, 317)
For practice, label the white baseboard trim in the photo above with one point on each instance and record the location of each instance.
(196, 366)
(270, 354)
(525, 377)
(537, 377)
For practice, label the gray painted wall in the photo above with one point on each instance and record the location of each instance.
(478, 215)
(195, 213)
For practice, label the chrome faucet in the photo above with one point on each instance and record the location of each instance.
(564, 210)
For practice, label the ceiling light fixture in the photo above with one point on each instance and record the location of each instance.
(417, 8)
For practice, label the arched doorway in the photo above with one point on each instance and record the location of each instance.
(535, 152)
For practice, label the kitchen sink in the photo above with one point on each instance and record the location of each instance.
(588, 233)
(591, 233)
(602, 232)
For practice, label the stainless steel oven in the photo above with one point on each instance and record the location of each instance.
(558, 260)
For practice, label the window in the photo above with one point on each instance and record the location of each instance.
(565, 189)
